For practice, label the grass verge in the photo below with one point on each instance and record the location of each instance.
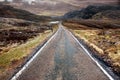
(105, 41)
(15, 56)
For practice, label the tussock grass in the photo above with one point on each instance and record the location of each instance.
(87, 36)
(14, 54)
(105, 41)
(21, 51)
(107, 45)
(93, 24)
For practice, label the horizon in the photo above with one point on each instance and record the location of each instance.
(60, 7)
(56, 7)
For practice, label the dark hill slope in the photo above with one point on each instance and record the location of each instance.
(109, 14)
(89, 11)
(7, 11)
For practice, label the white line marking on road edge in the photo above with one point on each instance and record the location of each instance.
(28, 63)
(104, 71)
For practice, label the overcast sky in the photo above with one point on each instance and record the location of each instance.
(76, 1)
(3, 0)
(23, 0)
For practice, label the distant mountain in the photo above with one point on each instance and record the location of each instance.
(47, 7)
(90, 11)
(7, 11)
(17, 1)
(57, 7)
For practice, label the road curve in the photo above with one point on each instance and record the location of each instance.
(62, 59)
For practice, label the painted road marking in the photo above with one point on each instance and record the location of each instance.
(97, 63)
(28, 63)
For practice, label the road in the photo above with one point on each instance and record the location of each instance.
(62, 59)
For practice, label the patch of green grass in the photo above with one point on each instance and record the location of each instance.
(22, 50)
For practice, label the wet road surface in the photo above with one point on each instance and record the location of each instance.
(62, 59)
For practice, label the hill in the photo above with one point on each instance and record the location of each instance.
(109, 14)
(90, 11)
(7, 11)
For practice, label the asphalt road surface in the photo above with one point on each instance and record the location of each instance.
(62, 59)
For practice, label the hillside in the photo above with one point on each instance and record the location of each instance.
(7, 11)
(90, 11)
(109, 14)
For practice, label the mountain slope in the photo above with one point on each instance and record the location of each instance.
(10, 12)
(109, 14)
(90, 11)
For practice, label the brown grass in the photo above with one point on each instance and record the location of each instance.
(93, 24)
(14, 49)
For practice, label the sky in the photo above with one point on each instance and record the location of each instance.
(73, 0)
(24, 0)
(3, 0)
(79, 2)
